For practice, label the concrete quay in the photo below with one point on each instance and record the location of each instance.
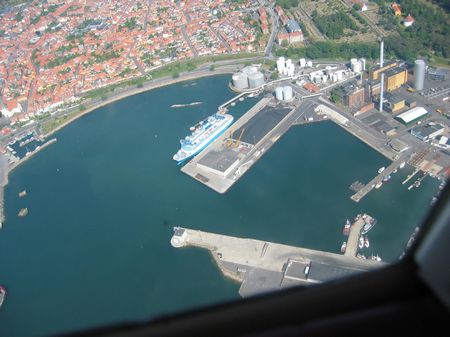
(3, 183)
(220, 165)
(262, 266)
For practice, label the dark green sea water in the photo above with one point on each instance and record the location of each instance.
(103, 199)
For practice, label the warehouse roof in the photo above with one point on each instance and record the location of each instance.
(413, 114)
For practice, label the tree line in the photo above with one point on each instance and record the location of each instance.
(332, 50)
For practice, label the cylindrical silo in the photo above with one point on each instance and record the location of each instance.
(240, 81)
(363, 63)
(287, 93)
(302, 63)
(255, 80)
(356, 67)
(248, 70)
(419, 74)
(279, 93)
(280, 64)
(309, 64)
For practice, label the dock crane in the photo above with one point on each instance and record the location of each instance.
(238, 141)
(230, 138)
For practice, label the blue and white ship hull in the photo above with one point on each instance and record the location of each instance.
(204, 134)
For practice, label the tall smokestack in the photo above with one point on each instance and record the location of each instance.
(381, 92)
(381, 53)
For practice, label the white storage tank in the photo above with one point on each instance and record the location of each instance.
(356, 67)
(240, 81)
(309, 64)
(334, 77)
(302, 63)
(363, 63)
(291, 70)
(279, 93)
(281, 63)
(287, 93)
(340, 75)
(250, 70)
(324, 78)
(288, 63)
(255, 80)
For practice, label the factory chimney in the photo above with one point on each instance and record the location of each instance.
(381, 54)
(382, 74)
(381, 92)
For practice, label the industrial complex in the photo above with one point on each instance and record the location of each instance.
(388, 105)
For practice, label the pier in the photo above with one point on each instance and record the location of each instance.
(353, 237)
(226, 159)
(262, 266)
(361, 193)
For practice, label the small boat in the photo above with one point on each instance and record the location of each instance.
(366, 242)
(395, 171)
(361, 256)
(2, 295)
(375, 258)
(23, 212)
(378, 185)
(361, 242)
(346, 229)
(402, 165)
(387, 178)
(23, 193)
(381, 169)
(343, 247)
(368, 226)
(417, 183)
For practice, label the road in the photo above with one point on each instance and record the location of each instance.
(188, 40)
(273, 34)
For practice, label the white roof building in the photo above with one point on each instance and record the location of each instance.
(411, 115)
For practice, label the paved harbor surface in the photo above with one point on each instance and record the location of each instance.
(226, 159)
(262, 266)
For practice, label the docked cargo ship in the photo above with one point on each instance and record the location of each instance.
(203, 134)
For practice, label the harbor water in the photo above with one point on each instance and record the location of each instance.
(94, 248)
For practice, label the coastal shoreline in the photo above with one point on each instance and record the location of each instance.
(127, 93)
(135, 91)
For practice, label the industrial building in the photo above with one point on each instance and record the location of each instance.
(371, 89)
(412, 115)
(427, 132)
(351, 95)
(395, 78)
(374, 74)
(393, 103)
(436, 75)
